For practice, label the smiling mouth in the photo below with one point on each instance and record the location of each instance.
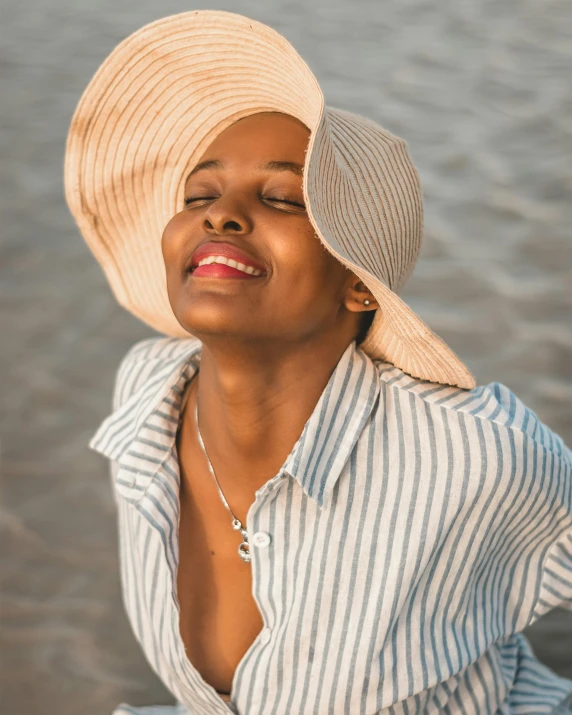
(222, 267)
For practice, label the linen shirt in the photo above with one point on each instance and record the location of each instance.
(414, 530)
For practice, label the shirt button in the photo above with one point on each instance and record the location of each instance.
(265, 636)
(261, 539)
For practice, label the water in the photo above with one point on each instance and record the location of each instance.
(482, 93)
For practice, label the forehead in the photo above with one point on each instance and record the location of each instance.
(262, 134)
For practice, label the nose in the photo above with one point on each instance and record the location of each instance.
(228, 215)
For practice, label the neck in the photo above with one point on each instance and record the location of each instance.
(254, 403)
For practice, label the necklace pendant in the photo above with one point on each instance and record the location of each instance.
(244, 552)
(243, 548)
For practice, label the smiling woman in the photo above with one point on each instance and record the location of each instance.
(319, 511)
(244, 201)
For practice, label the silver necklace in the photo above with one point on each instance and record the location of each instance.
(243, 548)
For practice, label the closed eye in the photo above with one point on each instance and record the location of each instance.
(284, 201)
(192, 199)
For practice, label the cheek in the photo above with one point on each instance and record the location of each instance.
(173, 239)
(313, 268)
(294, 244)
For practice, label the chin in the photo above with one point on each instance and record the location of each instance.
(205, 327)
(206, 318)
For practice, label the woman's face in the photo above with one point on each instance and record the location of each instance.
(245, 195)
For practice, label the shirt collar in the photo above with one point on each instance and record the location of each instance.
(137, 432)
(335, 425)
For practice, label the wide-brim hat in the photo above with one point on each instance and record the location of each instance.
(158, 101)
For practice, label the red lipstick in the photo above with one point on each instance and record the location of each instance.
(230, 253)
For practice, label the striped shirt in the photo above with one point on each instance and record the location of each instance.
(411, 534)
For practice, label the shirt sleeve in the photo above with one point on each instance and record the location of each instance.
(122, 387)
(127, 375)
(113, 467)
(556, 576)
(131, 370)
(547, 544)
(556, 585)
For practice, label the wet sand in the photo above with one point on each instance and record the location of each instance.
(481, 92)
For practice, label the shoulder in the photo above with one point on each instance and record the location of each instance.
(145, 360)
(494, 403)
(144, 375)
(507, 470)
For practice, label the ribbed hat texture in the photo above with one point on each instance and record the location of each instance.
(155, 105)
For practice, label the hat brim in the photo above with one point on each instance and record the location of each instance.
(144, 120)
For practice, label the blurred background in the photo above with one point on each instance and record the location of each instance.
(480, 90)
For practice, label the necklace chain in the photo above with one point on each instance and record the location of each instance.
(244, 547)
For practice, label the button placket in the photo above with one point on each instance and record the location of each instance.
(261, 539)
(265, 636)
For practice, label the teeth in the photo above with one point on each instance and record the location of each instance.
(229, 262)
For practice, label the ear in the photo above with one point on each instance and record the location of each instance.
(355, 294)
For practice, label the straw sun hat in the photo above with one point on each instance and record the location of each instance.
(158, 101)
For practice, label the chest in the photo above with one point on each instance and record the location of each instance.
(219, 617)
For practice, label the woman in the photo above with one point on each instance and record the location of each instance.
(319, 511)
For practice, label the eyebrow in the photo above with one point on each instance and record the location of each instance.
(297, 169)
(209, 164)
(291, 166)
